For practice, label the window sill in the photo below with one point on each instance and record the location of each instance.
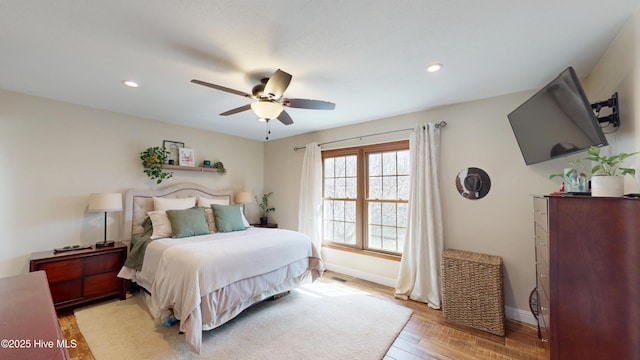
(364, 252)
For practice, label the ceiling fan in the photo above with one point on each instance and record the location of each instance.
(269, 102)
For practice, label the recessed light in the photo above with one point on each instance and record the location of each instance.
(130, 83)
(434, 67)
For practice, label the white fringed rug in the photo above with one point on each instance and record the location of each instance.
(316, 321)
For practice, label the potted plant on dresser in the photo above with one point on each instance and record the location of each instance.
(264, 208)
(607, 173)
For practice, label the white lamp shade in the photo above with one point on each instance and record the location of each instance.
(266, 109)
(105, 202)
(243, 197)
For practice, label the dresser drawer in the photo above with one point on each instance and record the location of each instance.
(62, 270)
(66, 290)
(542, 273)
(542, 244)
(98, 264)
(540, 212)
(101, 284)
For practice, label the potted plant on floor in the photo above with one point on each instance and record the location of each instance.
(264, 207)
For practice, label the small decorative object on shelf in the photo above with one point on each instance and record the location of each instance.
(174, 150)
(152, 159)
(218, 165)
(264, 207)
(187, 157)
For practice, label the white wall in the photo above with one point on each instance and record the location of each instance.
(54, 154)
(618, 70)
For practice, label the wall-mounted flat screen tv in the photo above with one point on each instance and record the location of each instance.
(557, 121)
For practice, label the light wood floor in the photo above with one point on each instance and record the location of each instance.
(427, 335)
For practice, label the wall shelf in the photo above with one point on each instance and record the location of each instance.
(189, 168)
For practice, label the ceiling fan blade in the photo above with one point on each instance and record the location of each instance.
(285, 118)
(237, 110)
(308, 104)
(222, 88)
(277, 84)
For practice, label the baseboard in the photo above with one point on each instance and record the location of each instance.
(520, 315)
(361, 275)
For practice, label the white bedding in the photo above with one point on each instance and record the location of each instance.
(229, 271)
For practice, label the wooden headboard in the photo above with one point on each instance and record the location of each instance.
(138, 202)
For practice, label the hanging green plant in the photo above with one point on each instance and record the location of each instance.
(152, 160)
(220, 167)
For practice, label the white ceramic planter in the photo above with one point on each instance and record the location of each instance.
(612, 186)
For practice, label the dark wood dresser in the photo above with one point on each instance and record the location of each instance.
(29, 326)
(593, 277)
(80, 276)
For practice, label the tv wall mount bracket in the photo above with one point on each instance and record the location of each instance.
(613, 119)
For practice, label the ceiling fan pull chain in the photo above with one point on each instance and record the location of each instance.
(268, 130)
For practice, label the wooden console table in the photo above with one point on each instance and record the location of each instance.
(29, 326)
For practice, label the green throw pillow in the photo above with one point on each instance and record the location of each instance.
(188, 222)
(228, 217)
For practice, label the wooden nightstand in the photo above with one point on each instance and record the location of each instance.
(80, 276)
(268, 225)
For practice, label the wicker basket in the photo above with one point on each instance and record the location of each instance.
(472, 290)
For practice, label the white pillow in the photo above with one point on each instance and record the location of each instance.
(161, 225)
(244, 219)
(206, 202)
(211, 221)
(163, 204)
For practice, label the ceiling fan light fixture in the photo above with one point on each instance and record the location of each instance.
(266, 109)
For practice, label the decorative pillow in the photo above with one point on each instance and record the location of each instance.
(161, 225)
(162, 204)
(211, 221)
(188, 222)
(244, 219)
(206, 202)
(228, 217)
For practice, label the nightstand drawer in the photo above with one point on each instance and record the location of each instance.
(66, 290)
(98, 264)
(62, 270)
(101, 284)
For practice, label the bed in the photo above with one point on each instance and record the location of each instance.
(207, 278)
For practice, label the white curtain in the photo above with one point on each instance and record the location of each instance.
(419, 276)
(310, 203)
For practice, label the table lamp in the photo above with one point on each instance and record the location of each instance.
(105, 202)
(243, 197)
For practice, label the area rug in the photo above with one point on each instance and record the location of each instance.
(317, 321)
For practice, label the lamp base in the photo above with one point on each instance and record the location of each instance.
(104, 244)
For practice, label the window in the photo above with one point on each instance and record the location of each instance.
(365, 197)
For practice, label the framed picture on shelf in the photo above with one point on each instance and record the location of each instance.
(187, 157)
(174, 150)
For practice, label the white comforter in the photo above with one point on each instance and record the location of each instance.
(182, 271)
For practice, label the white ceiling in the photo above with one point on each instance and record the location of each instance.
(367, 56)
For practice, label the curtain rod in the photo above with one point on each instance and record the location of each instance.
(441, 124)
